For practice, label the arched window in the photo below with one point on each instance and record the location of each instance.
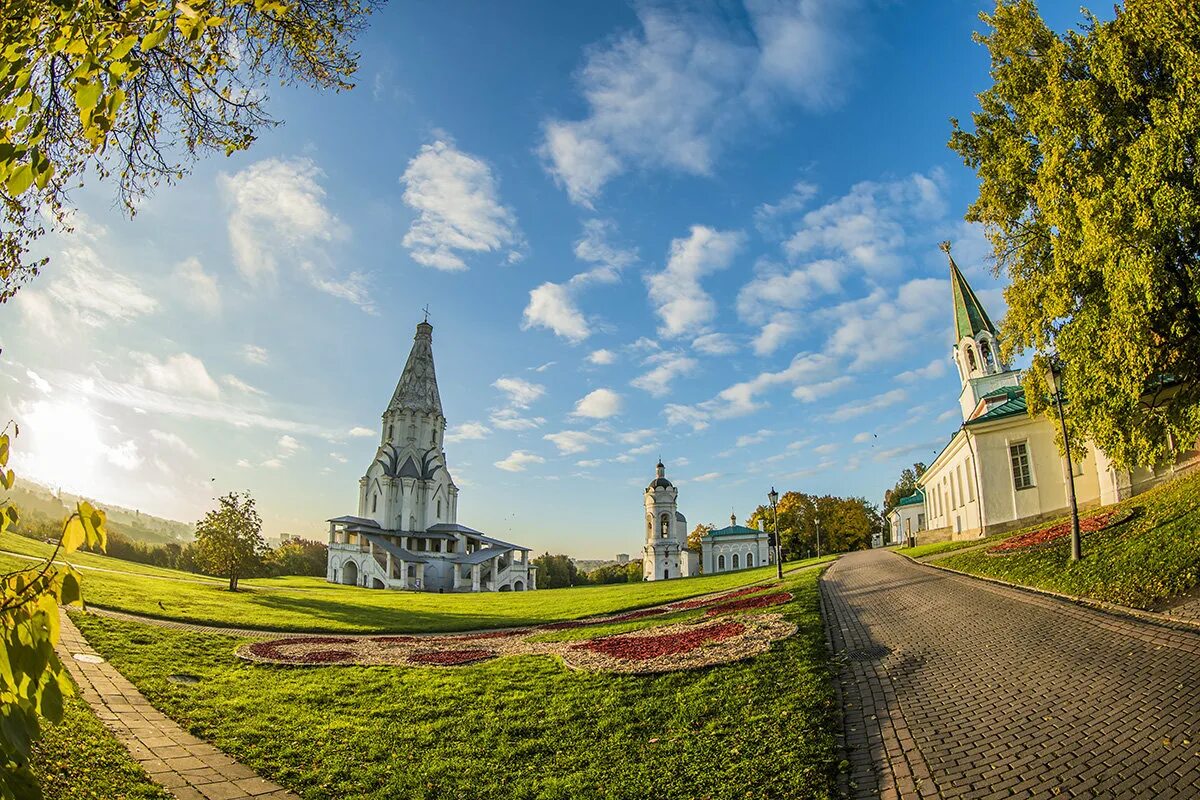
(973, 365)
(649, 525)
(665, 522)
(749, 559)
(374, 502)
(989, 357)
(735, 561)
(439, 509)
(433, 436)
(412, 523)
(720, 563)
(390, 427)
(412, 432)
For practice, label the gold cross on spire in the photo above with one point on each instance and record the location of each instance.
(426, 310)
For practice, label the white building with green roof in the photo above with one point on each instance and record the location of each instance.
(1001, 470)
(733, 548)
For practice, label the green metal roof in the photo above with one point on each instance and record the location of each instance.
(969, 316)
(912, 500)
(1014, 404)
(734, 530)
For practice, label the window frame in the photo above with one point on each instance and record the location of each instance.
(1030, 477)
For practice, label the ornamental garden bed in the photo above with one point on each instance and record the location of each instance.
(1049, 535)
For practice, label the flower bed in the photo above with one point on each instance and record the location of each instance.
(758, 601)
(1047, 536)
(640, 648)
(449, 658)
(299, 649)
(701, 602)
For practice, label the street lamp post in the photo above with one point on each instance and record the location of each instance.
(1055, 376)
(818, 524)
(773, 496)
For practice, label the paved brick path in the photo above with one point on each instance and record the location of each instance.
(988, 692)
(188, 768)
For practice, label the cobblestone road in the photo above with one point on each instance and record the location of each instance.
(954, 687)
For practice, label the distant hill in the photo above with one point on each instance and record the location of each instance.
(37, 502)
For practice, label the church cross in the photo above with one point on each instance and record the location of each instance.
(426, 310)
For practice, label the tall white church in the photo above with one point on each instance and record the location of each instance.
(665, 554)
(406, 533)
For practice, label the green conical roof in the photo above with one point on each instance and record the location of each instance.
(969, 316)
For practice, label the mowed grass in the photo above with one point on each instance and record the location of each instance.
(937, 548)
(516, 727)
(79, 759)
(1144, 562)
(310, 604)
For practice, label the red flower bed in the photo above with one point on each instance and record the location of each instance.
(562, 626)
(393, 639)
(687, 605)
(271, 649)
(640, 648)
(759, 601)
(322, 657)
(1053, 533)
(646, 612)
(449, 658)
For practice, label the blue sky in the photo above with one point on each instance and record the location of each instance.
(705, 232)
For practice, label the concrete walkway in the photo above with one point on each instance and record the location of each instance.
(187, 767)
(954, 687)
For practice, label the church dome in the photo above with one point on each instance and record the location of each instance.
(660, 483)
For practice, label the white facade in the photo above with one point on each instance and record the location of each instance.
(906, 520)
(1002, 469)
(406, 533)
(736, 547)
(665, 554)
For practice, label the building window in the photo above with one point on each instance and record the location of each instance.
(962, 497)
(920, 522)
(433, 436)
(390, 427)
(749, 559)
(1018, 454)
(735, 561)
(374, 502)
(439, 509)
(989, 358)
(971, 479)
(953, 493)
(971, 359)
(720, 563)
(666, 525)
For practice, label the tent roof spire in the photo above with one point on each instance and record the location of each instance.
(417, 389)
(970, 318)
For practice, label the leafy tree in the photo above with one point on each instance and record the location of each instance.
(299, 557)
(845, 523)
(138, 89)
(558, 571)
(609, 573)
(33, 680)
(633, 572)
(693, 539)
(229, 539)
(1089, 190)
(906, 486)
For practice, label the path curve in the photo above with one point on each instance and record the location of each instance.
(955, 687)
(185, 766)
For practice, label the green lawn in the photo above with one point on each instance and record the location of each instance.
(79, 759)
(1143, 563)
(937, 548)
(310, 604)
(515, 727)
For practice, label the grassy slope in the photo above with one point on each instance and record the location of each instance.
(516, 727)
(937, 548)
(79, 759)
(311, 604)
(1141, 563)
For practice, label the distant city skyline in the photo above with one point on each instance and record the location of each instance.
(708, 235)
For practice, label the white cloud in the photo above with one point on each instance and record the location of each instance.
(866, 226)
(181, 374)
(753, 438)
(775, 289)
(602, 357)
(508, 419)
(774, 335)
(825, 449)
(675, 93)
(934, 369)
(200, 287)
(288, 445)
(862, 438)
(569, 442)
(253, 354)
(714, 344)
(277, 215)
(467, 430)
(883, 326)
(948, 414)
(173, 441)
(237, 384)
(633, 437)
(458, 209)
(243, 463)
(544, 367)
(520, 392)
(706, 477)
(518, 461)
(806, 371)
(598, 404)
(86, 291)
(554, 306)
(767, 215)
(359, 430)
(338, 457)
(679, 300)
(858, 408)
(38, 382)
(273, 463)
(667, 366)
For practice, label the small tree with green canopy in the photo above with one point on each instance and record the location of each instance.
(137, 89)
(1086, 148)
(906, 486)
(229, 539)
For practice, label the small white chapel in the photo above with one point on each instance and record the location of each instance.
(666, 554)
(1002, 470)
(406, 533)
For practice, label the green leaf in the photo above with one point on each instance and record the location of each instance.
(6, 478)
(70, 589)
(50, 704)
(123, 47)
(4, 445)
(154, 38)
(93, 524)
(73, 535)
(88, 94)
(20, 180)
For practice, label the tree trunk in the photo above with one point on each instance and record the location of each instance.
(233, 579)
